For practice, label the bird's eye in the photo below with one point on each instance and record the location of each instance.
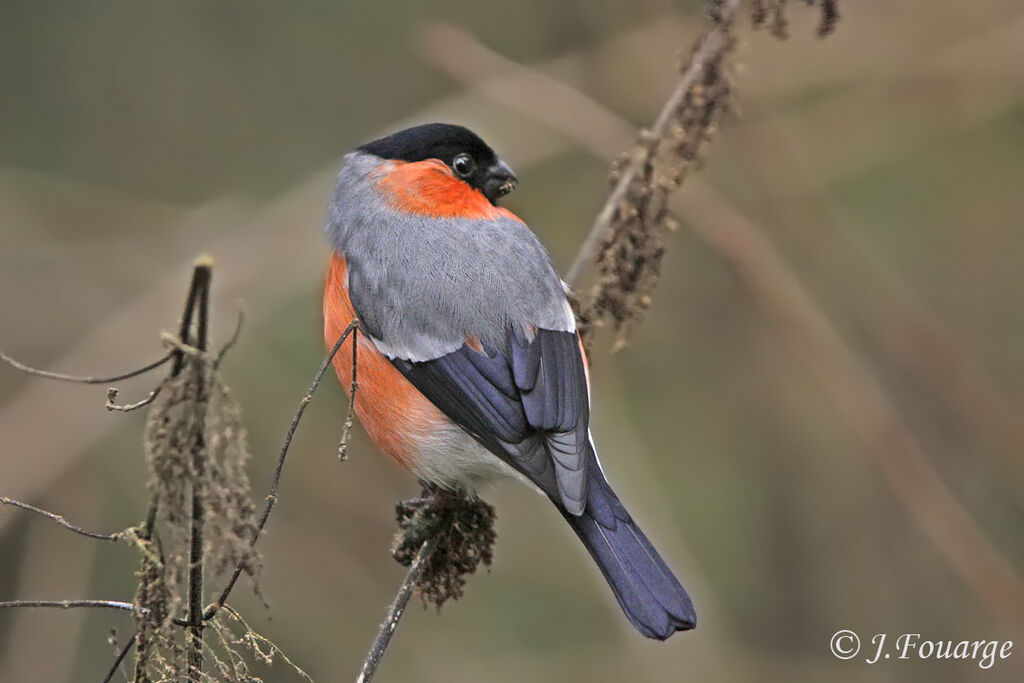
(463, 165)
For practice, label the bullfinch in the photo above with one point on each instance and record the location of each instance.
(470, 367)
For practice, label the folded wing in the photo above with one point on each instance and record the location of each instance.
(528, 405)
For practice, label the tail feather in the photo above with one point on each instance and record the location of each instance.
(647, 591)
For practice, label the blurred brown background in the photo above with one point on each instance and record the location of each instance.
(884, 165)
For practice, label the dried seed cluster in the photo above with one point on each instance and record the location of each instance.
(464, 526)
(630, 253)
(195, 443)
(159, 652)
(772, 13)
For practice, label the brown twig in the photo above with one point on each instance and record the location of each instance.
(201, 303)
(230, 343)
(120, 658)
(350, 413)
(397, 609)
(77, 379)
(111, 392)
(200, 281)
(71, 604)
(59, 519)
(112, 404)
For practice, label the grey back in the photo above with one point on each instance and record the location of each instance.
(422, 284)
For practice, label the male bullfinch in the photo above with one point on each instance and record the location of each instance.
(469, 363)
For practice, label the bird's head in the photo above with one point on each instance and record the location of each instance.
(468, 157)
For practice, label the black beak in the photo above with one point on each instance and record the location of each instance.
(500, 181)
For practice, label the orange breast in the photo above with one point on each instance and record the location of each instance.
(394, 413)
(428, 188)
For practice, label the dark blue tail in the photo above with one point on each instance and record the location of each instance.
(645, 587)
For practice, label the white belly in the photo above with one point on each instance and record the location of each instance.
(452, 459)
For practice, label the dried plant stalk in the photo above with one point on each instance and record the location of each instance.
(633, 226)
(630, 230)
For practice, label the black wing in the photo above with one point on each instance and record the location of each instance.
(529, 406)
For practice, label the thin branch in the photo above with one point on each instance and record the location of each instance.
(201, 271)
(276, 482)
(59, 519)
(202, 264)
(112, 394)
(714, 40)
(224, 635)
(201, 288)
(120, 658)
(256, 640)
(350, 414)
(397, 609)
(232, 341)
(59, 376)
(72, 604)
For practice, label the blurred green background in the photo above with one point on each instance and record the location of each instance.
(885, 165)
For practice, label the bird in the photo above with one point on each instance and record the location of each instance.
(470, 366)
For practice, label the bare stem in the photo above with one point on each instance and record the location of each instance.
(203, 265)
(350, 415)
(59, 519)
(201, 289)
(71, 604)
(120, 658)
(112, 405)
(397, 609)
(17, 365)
(232, 341)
